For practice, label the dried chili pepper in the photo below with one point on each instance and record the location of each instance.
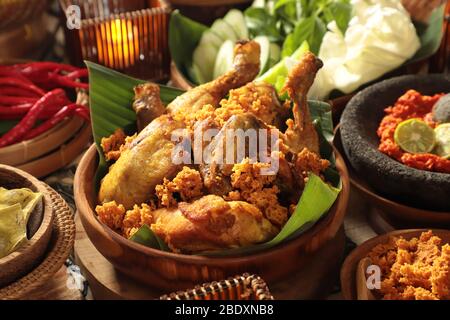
(9, 81)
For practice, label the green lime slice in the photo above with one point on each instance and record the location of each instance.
(442, 133)
(415, 136)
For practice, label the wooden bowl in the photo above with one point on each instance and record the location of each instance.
(21, 261)
(348, 271)
(169, 271)
(397, 214)
(359, 124)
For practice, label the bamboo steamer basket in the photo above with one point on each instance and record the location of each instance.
(171, 271)
(29, 254)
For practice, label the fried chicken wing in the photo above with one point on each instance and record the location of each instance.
(211, 223)
(147, 104)
(302, 133)
(246, 68)
(143, 165)
(216, 162)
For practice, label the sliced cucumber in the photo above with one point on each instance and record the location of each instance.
(224, 30)
(204, 58)
(264, 44)
(195, 75)
(275, 54)
(276, 75)
(211, 38)
(236, 20)
(224, 60)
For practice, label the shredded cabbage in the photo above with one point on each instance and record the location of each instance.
(380, 37)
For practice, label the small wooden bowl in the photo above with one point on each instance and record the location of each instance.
(348, 271)
(20, 262)
(170, 272)
(399, 215)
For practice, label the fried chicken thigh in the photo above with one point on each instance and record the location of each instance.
(211, 223)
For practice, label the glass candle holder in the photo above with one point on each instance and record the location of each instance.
(129, 36)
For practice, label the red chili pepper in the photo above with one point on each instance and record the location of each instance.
(67, 82)
(66, 111)
(46, 66)
(27, 122)
(18, 112)
(17, 92)
(16, 100)
(9, 81)
(82, 73)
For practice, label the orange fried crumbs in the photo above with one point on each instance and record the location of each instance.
(308, 161)
(247, 176)
(136, 218)
(115, 144)
(111, 214)
(253, 187)
(188, 184)
(418, 269)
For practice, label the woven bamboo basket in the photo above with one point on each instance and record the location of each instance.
(39, 227)
(59, 249)
(130, 36)
(244, 287)
(52, 150)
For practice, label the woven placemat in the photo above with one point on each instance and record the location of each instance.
(60, 247)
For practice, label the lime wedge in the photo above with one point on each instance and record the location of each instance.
(442, 133)
(415, 136)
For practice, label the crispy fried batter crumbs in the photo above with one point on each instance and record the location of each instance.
(111, 214)
(418, 269)
(111, 145)
(115, 144)
(247, 176)
(253, 188)
(267, 201)
(257, 99)
(188, 184)
(308, 161)
(136, 218)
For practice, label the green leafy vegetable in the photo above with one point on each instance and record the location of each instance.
(184, 36)
(147, 237)
(430, 35)
(311, 30)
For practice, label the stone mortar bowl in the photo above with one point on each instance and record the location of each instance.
(359, 123)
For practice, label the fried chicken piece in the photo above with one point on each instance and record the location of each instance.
(147, 104)
(187, 185)
(143, 165)
(112, 145)
(111, 214)
(301, 132)
(217, 165)
(211, 223)
(245, 69)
